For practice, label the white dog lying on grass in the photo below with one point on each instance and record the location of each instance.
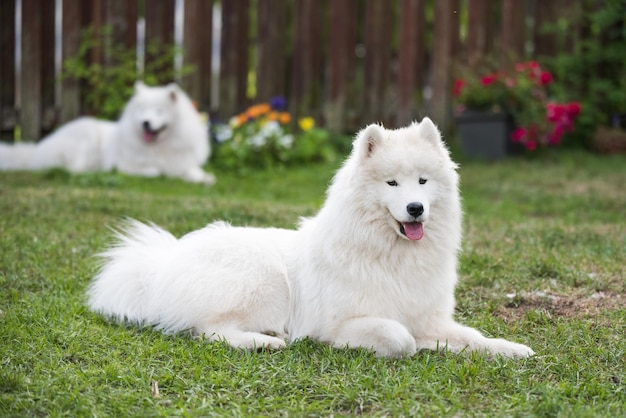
(376, 268)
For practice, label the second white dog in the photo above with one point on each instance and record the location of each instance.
(159, 133)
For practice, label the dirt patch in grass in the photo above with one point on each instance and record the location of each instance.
(558, 305)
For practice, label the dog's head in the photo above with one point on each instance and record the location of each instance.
(406, 171)
(153, 110)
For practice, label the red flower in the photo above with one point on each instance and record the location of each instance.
(489, 79)
(545, 78)
(574, 109)
(554, 111)
(458, 87)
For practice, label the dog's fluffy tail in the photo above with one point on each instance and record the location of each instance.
(17, 156)
(122, 288)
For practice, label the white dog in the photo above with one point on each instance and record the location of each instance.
(376, 268)
(159, 133)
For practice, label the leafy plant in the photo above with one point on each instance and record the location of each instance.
(595, 70)
(109, 86)
(523, 93)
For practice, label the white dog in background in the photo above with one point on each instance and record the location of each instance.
(376, 268)
(159, 133)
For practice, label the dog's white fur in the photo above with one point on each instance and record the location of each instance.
(364, 272)
(158, 133)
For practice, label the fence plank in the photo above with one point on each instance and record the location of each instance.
(271, 49)
(378, 20)
(513, 31)
(197, 43)
(445, 32)
(93, 16)
(307, 56)
(160, 36)
(48, 80)
(411, 59)
(233, 58)
(7, 69)
(30, 85)
(477, 31)
(546, 12)
(121, 17)
(341, 65)
(70, 91)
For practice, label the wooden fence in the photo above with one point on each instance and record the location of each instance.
(345, 62)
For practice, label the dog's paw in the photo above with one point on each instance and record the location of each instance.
(247, 340)
(388, 338)
(208, 179)
(509, 349)
(396, 347)
(197, 175)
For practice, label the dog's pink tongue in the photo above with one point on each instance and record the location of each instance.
(413, 230)
(149, 136)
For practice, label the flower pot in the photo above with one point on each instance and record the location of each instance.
(486, 134)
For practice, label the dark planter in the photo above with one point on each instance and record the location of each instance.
(486, 135)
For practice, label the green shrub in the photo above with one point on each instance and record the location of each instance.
(595, 72)
(108, 87)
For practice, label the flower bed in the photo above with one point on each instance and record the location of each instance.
(264, 135)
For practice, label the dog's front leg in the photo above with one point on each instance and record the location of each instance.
(457, 338)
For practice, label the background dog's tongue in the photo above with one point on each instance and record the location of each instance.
(149, 136)
(413, 230)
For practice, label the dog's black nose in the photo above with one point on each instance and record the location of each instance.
(146, 126)
(415, 209)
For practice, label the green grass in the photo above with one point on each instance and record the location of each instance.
(543, 264)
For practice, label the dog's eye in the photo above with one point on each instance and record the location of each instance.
(392, 183)
(423, 180)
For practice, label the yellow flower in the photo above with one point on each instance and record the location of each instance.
(307, 123)
(235, 122)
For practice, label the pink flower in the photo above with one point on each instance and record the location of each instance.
(518, 135)
(531, 145)
(555, 136)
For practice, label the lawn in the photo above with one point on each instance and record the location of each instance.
(544, 264)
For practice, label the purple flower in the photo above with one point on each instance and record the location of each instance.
(278, 103)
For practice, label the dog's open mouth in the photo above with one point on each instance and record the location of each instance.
(150, 135)
(412, 230)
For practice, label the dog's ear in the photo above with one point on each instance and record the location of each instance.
(173, 90)
(368, 140)
(428, 130)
